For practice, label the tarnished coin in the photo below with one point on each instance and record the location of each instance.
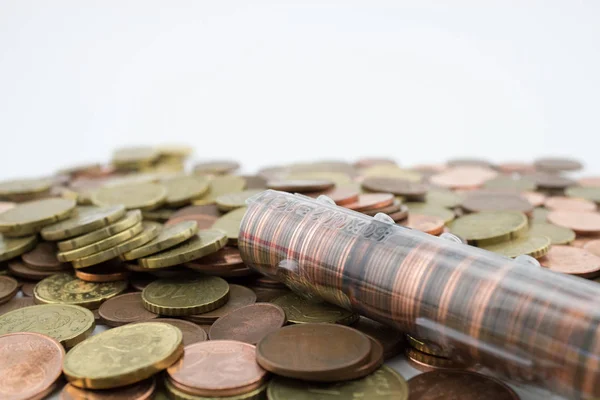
(369, 387)
(372, 363)
(191, 332)
(425, 223)
(230, 224)
(391, 340)
(145, 196)
(458, 384)
(109, 271)
(534, 246)
(124, 309)
(84, 220)
(15, 304)
(299, 310)
(239, 296)
(9, 288)
(217, 369)
(572, 260)
(68, 324)
(43, 256)
(496, 201)
(557, 234)
(410, 190)
(159, 215)
(580, 222)
(463, 177)
(31, 363)
(490, 227)
(181, 190)
(205, 216)
(560, 203)
(66, 289)
(24, 270)
(432, 210)
(217, 167)
(315, 352)
(13, 247)
(426, 362)
(300, 185)
(178, 297)
(130, 219)
(123, 355)
(371, 201)
(221, 185)
(28, 218)
(231, 201)
(143, 390)
(248, 324)
(203, 243)
(168, 237)
(588, 193)
(557, 164)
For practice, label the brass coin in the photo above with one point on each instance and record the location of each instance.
(239, 296)
(69, 324)
(182, 190)
(539, 215)
(230, 224)
(300, 185)
(248, 324)
(134, 155)
(191, 332)
(149, 232)
(205, 215)
(221, 185)
(124, 309)
(168, 237)
(481, 201)
(14, 247)
(9, 288)
(534, 246)
(22, 188)
(28, 218)
(179, 297)
(130, 219)
(443, 198)
(584, 223)
(216, 167)
(588, 193)
(66, 289)
(572, 260)
(369, 387)
(486, 228)
(86, 219)
(427, 347)
(299, 310)
(143, 390)
(159, 215)
(231, 201)
(123, 355)
(426, 362)
(145, 196)
(43, 256)
(203, 243)
(557, 234)
(432, 210)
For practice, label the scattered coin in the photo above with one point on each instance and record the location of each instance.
(25, 189)
(9, 288)
(389, 338)
(534, 246)
(432, 210)
(588, 193)
(559, 203)
(463, 177)
(255, 182)
(27, 288)
(580, 222)
(239, 296)
(143, 196)
(30, 217)
(299, 310)
(572, 260)
(191, 332)
(443, 198)
(221, 185)
(14, 247)
(557, 234)
(551, 181)
(556, 164)
(220, 167)
(590, 181)
(300, 186)
(490, 227)
(493, 201)
(426, 362)
(124, 309)
(15, 303)
(534, 198)
(84, 220)
(24, 270)
(43, 256)
(205, 215)
(108, 271)
(411, 190)
(370, 201)
(593, 247)
(181, 190)
(426, 223)
(341, 195)
(230, 224)
(168, 237)
(391, 171)
(517, 184)
(143, 390)
(249, 324)
(128, 156)
(427, 347)
(231, 201)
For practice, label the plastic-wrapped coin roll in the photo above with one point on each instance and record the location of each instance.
(512, 317)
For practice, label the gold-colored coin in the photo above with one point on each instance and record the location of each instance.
(168, 237)
(230, 224)
(13, 247)
(557, 234)
(67, 289)
(149, 232)
(177, 394)
(20, 189)
(588, 193)
(28, 218)
(123, 355)
(205, 242)
(182, 190)
(135, 156)
(431, 210)
(84, 220)
(69, 324)
(231, 201)
(102, 245)
(486, 228)
(427, 347)
(220, 185)
(175, 150)
(145, 196)
(179, 297)
(130, 219)
(392, 171)
(534, 246)
(300, 310)
(539, 215)
(443, 198)
(159, 215)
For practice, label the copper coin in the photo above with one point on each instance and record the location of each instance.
(218, 368)
(205, 215)
(426, 362)
(239, 296)
(496, 201)
(315, 352)
(339, 195)
(15, 304)
(534, 198)
(124, 309)
(593, 246)
(463, 177)
(266, 294)
(374, 361)
(191, 332)
(143, 390)
(24, 270)
(226, 257)
(572, 260)
(393, 208)
(469, 162)
(139, 282)
(400, 215)
(592, 181)
(516, 167)
(8, 288)
(581, 241)
(584, 223)
(248, 324)
(266, 281)
(426, 223)
(370, 201)
(551, 181)
(43, 256)
(400, 187)
(6, 205)
(556, 164)
(255, 182)
(300, 185)
(31, 363)
(109, 271)
(392, 340)
(219, 167)
(371, 161)
(561, 203)
(27, 288)
(462, 385)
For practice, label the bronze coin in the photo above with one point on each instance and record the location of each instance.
(425, 362)
(15, 304)
(219, 167)
(23, 270)
(426, 223)
(581, 241)
(372, 363)
(339, 195)
(561, 203)
(239, 296)
(227, 257)
(392, 340)
(109, 271)
(462, 385)
(205, 216)
(584, 223)
(572, 260)
(371, 201)
(411, 190)
(267, 294)
(31, 363)
(27, 288)
(516, 167)
(400, 215)
(593, 246)
(248, 324)
(43, 256)
(191, 332)
(125, 309)
(217, 368)
(139, 281)
(534, 198)
(143, 390)
(496, 201)
(557, 164)
(463, 177)
(255, 182)
(391, 209)
(300, 185)
(8, 288)
(315, 352)
(592, 181)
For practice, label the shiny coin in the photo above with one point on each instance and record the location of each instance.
(431, 210)
(230, 224)
(123, 355)
(13, 247)
(85, 220)
(24, 270)
(300, 186)
(588, 193)
(585, 223)
(559, 203)
(593, 246)
(43, 256)
(410, 190)
(494, 201)
(9, 288)
(124, 309)
(109, 271)
(490, 227)
(205, 216)
(426, 362)
(239, 296)
(203, 243)
(145, 196)
(168, 237)
(248, 324)
(370, 201)
(191, 332)
(28, 218)
(231, 201)
(315, 352)
(572, 260)
(534, 246)
(15, 304)
(341, 195)
(425, 223)
(143, 390)
(395, 207)
(182, 190)
(68, 324)
(556, 164)
(178, 297)
(216, 167)
(556, 234)
(299, 310)
(221, 185)
(66, 289)
(427, 347)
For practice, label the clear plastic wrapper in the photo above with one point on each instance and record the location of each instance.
(515, 318)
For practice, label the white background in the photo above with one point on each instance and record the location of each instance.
(281, 81)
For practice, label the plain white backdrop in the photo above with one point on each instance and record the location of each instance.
(275, 82)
